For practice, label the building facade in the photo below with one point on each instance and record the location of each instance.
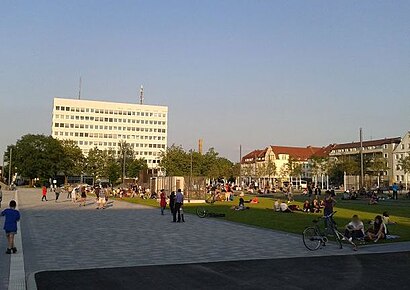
(105, 124)
(381, 148)
(270, 165)
(401, 151)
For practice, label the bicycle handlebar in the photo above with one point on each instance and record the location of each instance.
(329, 215)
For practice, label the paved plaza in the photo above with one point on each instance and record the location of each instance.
(64, 236)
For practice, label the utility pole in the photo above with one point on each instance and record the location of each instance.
(123, 160)
(190, 177)
(11, 154)
(240, 166)
(361, 159)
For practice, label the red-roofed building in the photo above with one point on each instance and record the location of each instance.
(274, 163)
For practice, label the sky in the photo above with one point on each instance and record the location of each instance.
(233, 72)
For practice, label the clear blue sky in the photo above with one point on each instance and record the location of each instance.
(232, 72)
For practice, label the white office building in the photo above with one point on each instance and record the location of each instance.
(105, 124)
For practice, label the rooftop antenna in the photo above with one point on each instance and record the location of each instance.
(79, 89)
(141, 95)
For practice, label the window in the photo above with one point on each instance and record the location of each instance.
(386, 155)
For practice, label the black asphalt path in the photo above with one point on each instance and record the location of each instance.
(370, 271)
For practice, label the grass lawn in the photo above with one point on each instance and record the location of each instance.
(262, 215)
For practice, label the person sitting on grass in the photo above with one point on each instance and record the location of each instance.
(276, 205)
(281, 206)
(306, 206)
(241, 205)
(315, 205)
(386, 219)
(254, 200)
(378, 231)
(284, 207)
(355, 229)
(373, 198)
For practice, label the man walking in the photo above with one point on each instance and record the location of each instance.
(179, 200)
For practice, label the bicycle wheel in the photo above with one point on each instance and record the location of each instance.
(312, 239)
(201, 212)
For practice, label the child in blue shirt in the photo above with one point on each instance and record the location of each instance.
(10, 225)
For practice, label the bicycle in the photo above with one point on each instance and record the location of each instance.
(314, 238)
(202, 212)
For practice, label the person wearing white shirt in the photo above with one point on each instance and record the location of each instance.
(355, 229)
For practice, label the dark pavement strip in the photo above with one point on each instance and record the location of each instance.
(367, 271)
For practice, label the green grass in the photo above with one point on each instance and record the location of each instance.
(262, 215)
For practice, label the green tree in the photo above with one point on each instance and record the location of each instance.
(377, 165)
(38, 156)
(73, 161)
(112, 171)
(95, 163)
(175, 161)
(136, 166)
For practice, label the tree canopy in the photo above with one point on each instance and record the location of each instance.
(177, 162)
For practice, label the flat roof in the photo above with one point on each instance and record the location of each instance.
(95, 103)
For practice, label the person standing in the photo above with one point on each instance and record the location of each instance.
(44, 193)
(172, 202)
(179, 200)
(329, 203)
(57, 191)
(395, 189)
(83, 196)
(10, 225)
(163, 201)
(1, 196)
(310, 191)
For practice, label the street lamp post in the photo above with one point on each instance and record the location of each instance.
(11, 154)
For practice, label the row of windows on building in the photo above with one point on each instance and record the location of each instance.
(107, 136)
(102, 127)
(110, 112)
(134, 145)
(385, 146)
(110, 120)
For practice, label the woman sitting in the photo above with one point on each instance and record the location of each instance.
(379, 230)
(373, 198)
(306, 206)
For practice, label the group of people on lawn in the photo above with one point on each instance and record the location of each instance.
(355, 228)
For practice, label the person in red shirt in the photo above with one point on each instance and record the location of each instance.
(44, 193)
(163, 201)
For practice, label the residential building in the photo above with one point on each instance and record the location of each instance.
(380, 148)
(254, 165)
(104, 125)
(401, 151)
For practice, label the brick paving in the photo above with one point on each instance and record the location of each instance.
(63, 235)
